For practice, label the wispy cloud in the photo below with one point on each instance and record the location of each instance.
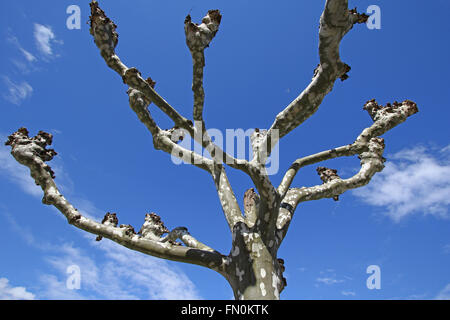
(8, 292)
(44, 37)
(119, 274)
(348, 293)
(329, 277)
(108, 271)
(414, 180)
(19, 230)
(416, 296)
(53, 288)
(444, 294)
(14, 41)
(447, 248)
(28, 56)
(22, 66)
(329, 280)
(16, 93)
(152, 277)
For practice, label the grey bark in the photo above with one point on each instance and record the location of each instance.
(252, 267)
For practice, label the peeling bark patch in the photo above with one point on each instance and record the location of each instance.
(256, 248)
(239, 273)
(276, 285)
(263, 273)
(235, 251)
(263, 289)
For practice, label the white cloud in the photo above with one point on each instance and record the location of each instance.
(123, 274)
(413, 180)
(348, 293)
(16, 92)
(112, 272)
(21, 66)
(44, 37)
(55, 289)
(329, 277)
(19, 230)
(28, 56)
(156, 277)
(447, 248)
(16, 172)
(444, 294)
(329, 280)
(7, 292)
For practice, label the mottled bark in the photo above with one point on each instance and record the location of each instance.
(33, 153)
(252, 267)
(198, 38)
(336, 21)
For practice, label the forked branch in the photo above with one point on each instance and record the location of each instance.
(198, 38)
(335, 22)
(33, 153)
(367, 145)
(258, 234)
(142, 93)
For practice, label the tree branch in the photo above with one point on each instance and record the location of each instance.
(268, 195)
(33, 153)
(335, 22)
(371, 163)
(183, 234)
(141, 94)
(198, 37)
(367, 145)
(251, 206)
(385, 118)
(348, 150)
(227, 197)
(165, 140)
(106, 38)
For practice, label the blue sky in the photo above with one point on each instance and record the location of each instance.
(264, 54)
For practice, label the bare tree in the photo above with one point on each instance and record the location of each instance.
(252, 267)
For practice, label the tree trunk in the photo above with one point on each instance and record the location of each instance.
(252, 268)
